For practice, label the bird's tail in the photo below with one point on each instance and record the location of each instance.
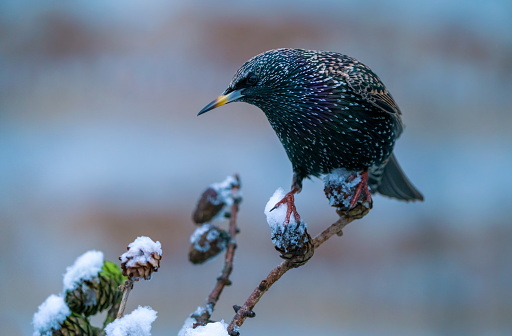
(395, 184)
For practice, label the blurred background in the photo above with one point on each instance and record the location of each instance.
(100, 143)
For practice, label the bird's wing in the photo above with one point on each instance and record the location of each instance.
(361, 79)
(363, 82)
(367, 84)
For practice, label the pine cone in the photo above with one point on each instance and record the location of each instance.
(208, 206)
(293, 242)
(92, 296)
(207, 242)
(76, 325)
(216, 200)
(141, 265)
(340, 190)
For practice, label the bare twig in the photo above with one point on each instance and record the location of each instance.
(223, 279)
(126, 289)
(247, 309)
(335, 228)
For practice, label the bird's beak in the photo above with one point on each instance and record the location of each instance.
(222, 100)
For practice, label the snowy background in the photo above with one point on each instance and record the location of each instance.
(100, 143)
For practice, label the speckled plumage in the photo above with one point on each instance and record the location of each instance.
(329, 111)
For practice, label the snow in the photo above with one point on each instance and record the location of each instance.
(194, 238)
(284, 236)
(187, 326)
(203, 309)
(137, 323)
(213, 237)
(51, 313)
(278, 215)
(211, 329)
(226, 185)
(225, 195)
(342, 182)
(141, 251)
(87, 266)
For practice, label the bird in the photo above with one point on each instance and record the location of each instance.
(329, 111)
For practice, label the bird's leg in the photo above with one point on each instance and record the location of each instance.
(289, 199)
(362, 187)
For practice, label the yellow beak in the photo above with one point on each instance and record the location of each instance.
(222, 100)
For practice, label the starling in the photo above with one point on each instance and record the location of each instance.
(330, 111)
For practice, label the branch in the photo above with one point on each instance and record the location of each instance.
(126, 288)
(335, 228)
(247, 309)
(223, 279)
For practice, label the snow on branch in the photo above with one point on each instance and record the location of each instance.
(211, 329)
(208, 240)
(295, 247)
(137, 323)
(86, 267)
(50, 315)
(92, 285)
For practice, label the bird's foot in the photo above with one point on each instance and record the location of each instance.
(289, 200)
(362, 188)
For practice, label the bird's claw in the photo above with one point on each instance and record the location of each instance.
(362, 187)
(289, 199)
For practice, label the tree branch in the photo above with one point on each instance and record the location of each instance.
(126, 288)
(335, 228)
(223, 279)
(242, 313)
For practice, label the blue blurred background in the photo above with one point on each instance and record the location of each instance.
(100, 143)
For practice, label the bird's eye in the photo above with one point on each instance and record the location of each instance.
(251, 79)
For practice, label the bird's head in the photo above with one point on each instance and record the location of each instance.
(273, 78)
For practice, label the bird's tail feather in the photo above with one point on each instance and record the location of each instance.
(395, 184)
